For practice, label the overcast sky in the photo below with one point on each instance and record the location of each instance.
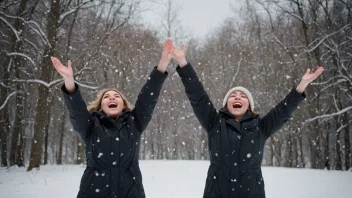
(198, 17)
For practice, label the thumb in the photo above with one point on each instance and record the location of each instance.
(308, 71)
(69, 64)
(183, 47)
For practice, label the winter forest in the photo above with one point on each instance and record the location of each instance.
(267, 50)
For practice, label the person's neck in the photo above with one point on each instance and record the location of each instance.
(238, 118)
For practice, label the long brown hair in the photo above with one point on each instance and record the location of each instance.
(95, 105)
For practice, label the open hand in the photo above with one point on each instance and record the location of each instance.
(308, 78)
(65, 72)
(165, 55)
(179, 55)
(167, 48)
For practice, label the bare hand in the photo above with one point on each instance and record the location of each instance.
(165, 56)
(179, 55)
(167, 48)
(308, 78)
(65, 72)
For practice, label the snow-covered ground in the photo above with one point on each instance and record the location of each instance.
(175, 179)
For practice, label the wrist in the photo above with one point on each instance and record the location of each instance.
(182, 62)
(163, 64)
(301, 87)
(70, 85)
(164, 61)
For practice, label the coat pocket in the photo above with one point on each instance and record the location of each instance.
(95, 184)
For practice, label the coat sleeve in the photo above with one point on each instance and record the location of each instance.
(202, 106)
(281, 113)
(147, 99)
(81, 119)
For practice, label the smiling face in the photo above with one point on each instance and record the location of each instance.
(237, 104)
(112, 103)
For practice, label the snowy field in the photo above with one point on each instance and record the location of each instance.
(175, 179)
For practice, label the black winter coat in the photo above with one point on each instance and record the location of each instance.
(236, 148)
(112, 145)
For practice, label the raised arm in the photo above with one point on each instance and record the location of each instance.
(202, 106)
(148, 96)
(282, 112)
(80, 118)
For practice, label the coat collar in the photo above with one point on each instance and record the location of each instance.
(230, 119)
(101, 115)
(226, 113)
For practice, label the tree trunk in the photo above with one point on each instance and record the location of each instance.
(327, 149)
(347, 143)
(16, 148)
(41, 119)
(46, 139)
(62, 134)
(4, 130)
(271, 162)
(80, 151)
(338, 163)
(300, 142)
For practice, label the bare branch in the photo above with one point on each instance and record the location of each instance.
(238, 69)
(23, 55)
(8, 97)
(322, 40)
(37, 30)
(329, 115)
(11, 27)
(53, 83)
(75, 9)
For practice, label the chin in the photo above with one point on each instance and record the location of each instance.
(236, 113)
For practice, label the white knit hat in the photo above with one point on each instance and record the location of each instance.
(244, 90)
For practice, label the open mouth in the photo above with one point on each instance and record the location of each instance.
(112, 105)
(237, 105)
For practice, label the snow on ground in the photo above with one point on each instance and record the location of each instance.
(174, 179)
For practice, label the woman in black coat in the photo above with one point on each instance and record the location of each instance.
(236, 135)
(111, 131)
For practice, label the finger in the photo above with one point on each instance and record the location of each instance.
(171, 50)
(319, 70)
(308, 71)
(69, 64)
(56, 63)
(168, 42)
(53, 60)
(174, 50)
(316, 73)
(183, 47)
